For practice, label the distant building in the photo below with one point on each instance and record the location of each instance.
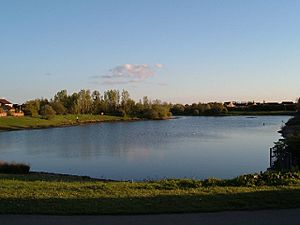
(7, 107)
(5, 103)
(229, 104)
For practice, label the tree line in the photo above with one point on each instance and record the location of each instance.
(111, 102)
(213, 108)
(118, 103)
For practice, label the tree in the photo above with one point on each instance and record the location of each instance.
(163, 110)
(138, 109)
(84, 102)
(32, 107)
(112, 99)
(124, 101)
(72, 104)
(96, 97)
(130, 107)
(150, 114)
(62, 97)
(47, 112)
(196, 112)
(146, 102)
(177, 109)
(59, 108)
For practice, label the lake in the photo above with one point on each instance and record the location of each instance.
(186, 147)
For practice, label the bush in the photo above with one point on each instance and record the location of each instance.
(48, 112)
(266, 178)
(59, 108)
(150, 114)
(32, 107)
(14, 168)
(120, 112)
(212, 182)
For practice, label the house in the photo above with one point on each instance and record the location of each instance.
(5, 103)
(7, 107)
(229, 104)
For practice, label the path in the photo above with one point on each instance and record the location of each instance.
(262, 217)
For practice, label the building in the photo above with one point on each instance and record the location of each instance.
(4, 103)
(7, 107)
(229, 104)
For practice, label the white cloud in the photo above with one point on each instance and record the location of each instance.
(130, 73)
(158, 66)
(121, 81)
(140, 72)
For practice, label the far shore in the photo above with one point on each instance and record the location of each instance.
(23, 123)
(27, 122)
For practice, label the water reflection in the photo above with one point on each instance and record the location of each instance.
(185, 147)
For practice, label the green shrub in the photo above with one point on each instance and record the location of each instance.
(266, 178)
(47, 112)
(211, 182)
(188, 183)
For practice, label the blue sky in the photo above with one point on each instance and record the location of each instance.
(178, 51)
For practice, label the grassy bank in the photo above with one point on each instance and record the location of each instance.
(56, 194)
(26, 122)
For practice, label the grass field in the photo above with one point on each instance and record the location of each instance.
(56, 194)
(26, 122)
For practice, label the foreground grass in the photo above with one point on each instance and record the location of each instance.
(27, 122)
(55, 194)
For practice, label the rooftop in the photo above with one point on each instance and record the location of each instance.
(4, 101)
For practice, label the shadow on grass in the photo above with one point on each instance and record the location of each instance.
(49, 177)
(289, 198)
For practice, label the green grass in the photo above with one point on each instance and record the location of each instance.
(55, 194)
(27, 122)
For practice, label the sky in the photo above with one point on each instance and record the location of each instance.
(173, 50)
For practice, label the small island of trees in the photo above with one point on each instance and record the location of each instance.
(112, 102)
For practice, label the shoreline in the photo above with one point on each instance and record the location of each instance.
(64, 124)
(68, 176)
(236, 181)
(62, 121)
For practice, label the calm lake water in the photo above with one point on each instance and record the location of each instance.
(193, 147)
